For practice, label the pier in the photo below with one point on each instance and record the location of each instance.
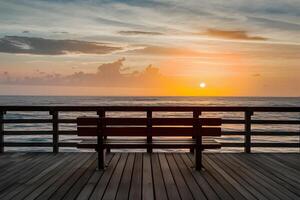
(157, 175)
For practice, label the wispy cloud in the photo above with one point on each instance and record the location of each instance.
(139, 33)
(41, 46)
(275, 23)
(232, 34)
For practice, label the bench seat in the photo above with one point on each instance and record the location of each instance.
(207, 143)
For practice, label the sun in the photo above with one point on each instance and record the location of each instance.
(202, 85)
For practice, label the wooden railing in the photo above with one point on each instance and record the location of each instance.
(55, 120)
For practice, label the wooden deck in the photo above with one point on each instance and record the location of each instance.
(149, 176)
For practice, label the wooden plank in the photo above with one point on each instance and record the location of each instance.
(15, 162)
(99, 189)
(282, 189)
(189, 179)
(67, 182)
(137, 176)
(87, 130)
(142, 131)
(290, 161)
(61, 183)
(88, 189)
(124, 186)
(84, 121)
(170, 184)
(293, 157)
(18, 183)
(73, 176)
(277, 169)
(255, 181)
(183, 189)
(210, 186)
(112, 187)
(186, 121)
(231, 180)
(18, 173)
(83, 181)
(234, 173)
(41, 170)
(25, 189)
(136, 144)
(158, 182)
(224, 182)
(37, 188)
(147, 188)
(281, 167)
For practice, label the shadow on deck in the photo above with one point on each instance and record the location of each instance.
(149, 176)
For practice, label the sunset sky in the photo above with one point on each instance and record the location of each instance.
(150, 47)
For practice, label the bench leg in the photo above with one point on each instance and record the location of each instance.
(192, 150)
(107, 149)
(101, 159)
(198, 159)
(149, 150)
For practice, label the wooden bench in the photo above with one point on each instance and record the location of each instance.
(149, 133)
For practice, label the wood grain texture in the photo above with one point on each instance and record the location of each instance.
(164, 176)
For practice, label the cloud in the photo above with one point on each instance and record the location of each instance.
(234, 35)
(139, 33)
(41, 46)
(112, 74)
(275, 24)
(60, 32)
(166, 51)
(256, 75)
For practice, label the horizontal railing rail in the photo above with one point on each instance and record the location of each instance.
(54, 121)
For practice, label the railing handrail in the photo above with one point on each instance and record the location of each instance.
(153, 108)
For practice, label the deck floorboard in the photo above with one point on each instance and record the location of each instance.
(163, 176)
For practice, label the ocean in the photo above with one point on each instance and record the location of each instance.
(153, 101)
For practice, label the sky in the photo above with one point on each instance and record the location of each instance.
(150, 47)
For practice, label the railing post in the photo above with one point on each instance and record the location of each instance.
(248, 115)
(55, 136)
(1, 132)
(149, 131)
(196, 115)
(101, 114)
(100, 130)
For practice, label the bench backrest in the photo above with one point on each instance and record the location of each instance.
(91, 126)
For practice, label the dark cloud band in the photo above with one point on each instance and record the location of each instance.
(139, 33)
(41, 46)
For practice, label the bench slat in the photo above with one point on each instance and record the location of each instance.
(82, 121)
(143, 131)
(142, 143)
